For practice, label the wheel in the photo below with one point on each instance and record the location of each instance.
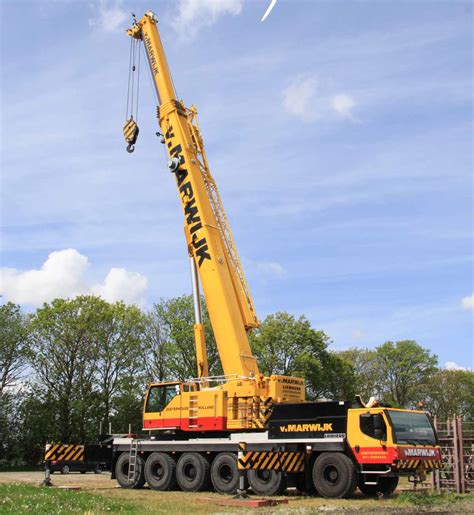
(224, 473)
(334, 475)
(267, 482)
(65, 469)
(192, 472)
(160, 471)
(121, 471)
(83, 471)
(386, 486)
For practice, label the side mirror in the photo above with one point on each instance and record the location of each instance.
(379, 426)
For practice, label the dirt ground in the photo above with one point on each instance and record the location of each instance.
(150, 501)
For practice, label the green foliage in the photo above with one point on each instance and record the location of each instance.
(289, 346)
(26, 499)
(449, 392)
(365, 371)
(426, 499)
(402, 367)
(169, 343)
(14, 345)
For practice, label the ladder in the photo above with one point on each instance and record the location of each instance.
(132, 463)
(193, 411)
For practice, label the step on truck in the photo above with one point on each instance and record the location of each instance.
(215, 430)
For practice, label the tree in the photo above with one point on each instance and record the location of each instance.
(365, 373)
(14, 346)
(448, 393)
(65, 335)
(119, 334)
(289, 346)
(402, 367)
(169, 348)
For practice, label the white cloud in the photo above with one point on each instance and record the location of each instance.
(468, 302)
(194, 15)
(271, 268)
(122, 285)
(307, 100)
(299, 98)
(451, 365)
(110, 16)
(343, 104)
(62, 275)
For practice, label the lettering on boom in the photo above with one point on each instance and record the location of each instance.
(191, 210)
(151, 55)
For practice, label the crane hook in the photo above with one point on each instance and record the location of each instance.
(130, 148)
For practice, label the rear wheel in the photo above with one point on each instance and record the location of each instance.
(224, 473)
(385, 486)
(65, 469)
(192, 472)
(334, 475)
(121, 472)
(267, 482)
(160, 471)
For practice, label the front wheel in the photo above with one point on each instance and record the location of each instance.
(385, 486)
(334, 475)
(267, 482)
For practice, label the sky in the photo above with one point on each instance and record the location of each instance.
(339, 133)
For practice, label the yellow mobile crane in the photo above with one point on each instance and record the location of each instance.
(208, 429)
(241, 398)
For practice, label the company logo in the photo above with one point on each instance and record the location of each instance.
(191, 210)
(151, 55)
(420, 453)
(269, 10)
(302, 428)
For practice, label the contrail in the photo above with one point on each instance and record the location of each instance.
(269, 10)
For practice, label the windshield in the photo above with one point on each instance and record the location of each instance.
(412, 428)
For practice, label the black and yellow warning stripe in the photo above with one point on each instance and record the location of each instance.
(130, 131)
(286, 461)
(263, 410)
(63, 452)
(419, 464)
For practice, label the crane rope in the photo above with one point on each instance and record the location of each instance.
(133, 91)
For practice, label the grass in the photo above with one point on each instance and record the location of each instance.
(429, 498)
(26, 499)
(23, 498)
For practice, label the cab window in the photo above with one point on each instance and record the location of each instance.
(160, 396)
(373, 425)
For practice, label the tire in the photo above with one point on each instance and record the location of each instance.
(267, 482)
(334, 475)
(160, 471)
(386, 486)
(121, 472)
(192, 472)
(65, 469)
(224, 473)
(83, 471)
